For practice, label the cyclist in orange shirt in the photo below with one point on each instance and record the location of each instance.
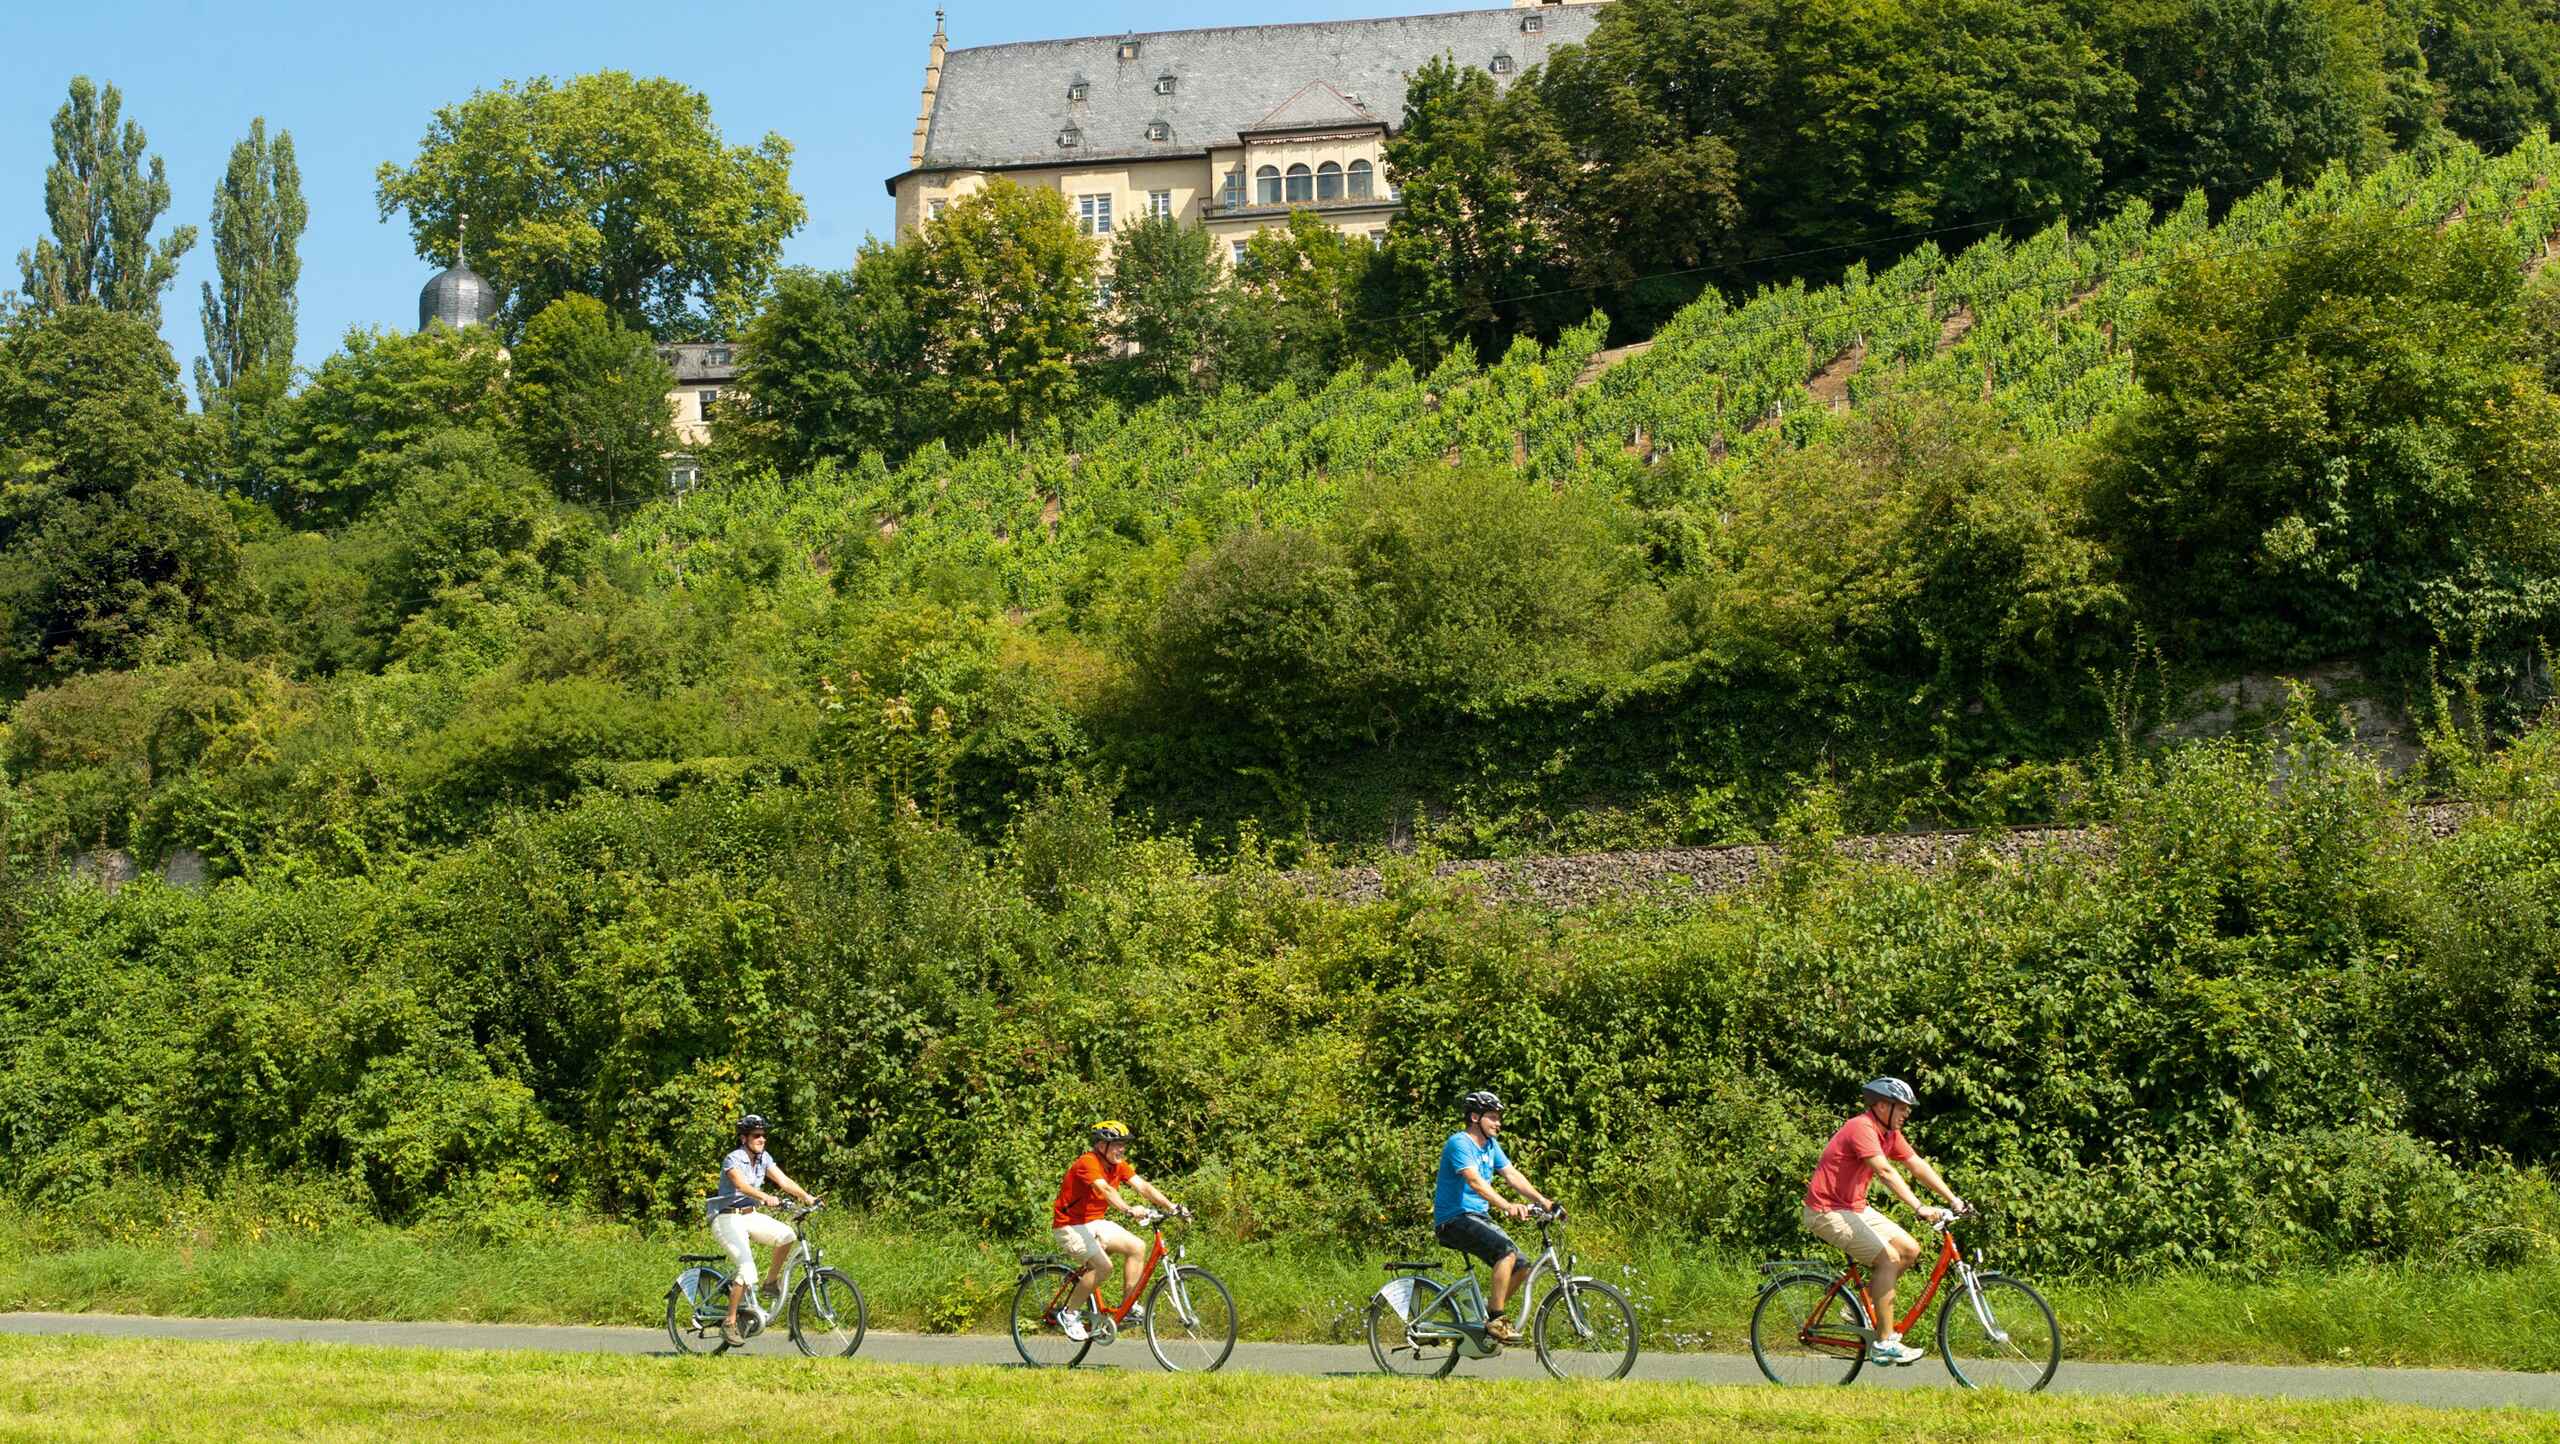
(1092, 1187)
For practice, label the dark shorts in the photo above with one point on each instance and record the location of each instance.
(1479, 1236)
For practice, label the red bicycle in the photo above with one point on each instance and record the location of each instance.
(1190, 1318)
(1995, 1332)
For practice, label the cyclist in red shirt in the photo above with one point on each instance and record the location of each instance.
(1836, 1211)
(1091, 1187)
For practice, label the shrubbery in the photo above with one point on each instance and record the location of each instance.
(2271, 1027)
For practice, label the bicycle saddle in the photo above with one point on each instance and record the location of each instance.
(700, 1258)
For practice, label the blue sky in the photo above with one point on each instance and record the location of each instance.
(357, 82)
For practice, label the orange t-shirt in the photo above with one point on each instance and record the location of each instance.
(1080, 1192)
(1848, 1164)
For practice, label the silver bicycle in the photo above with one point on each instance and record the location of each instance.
(825, 1309)
(1423, 1322)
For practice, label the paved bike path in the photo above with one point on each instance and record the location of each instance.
(2472, 1388)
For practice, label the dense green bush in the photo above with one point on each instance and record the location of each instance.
(2264, 1030)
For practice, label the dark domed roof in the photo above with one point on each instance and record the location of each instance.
(458, 297)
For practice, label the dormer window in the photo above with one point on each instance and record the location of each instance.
(1070, 138)
(1128, 49)
(1077, 90)
(1158, 130)
(719, 356)
(1532, 24)
(1502, 65)
(1164, 85)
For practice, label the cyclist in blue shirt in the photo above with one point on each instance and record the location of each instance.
(1462, 1200)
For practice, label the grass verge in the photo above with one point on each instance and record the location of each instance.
(587, 1273)
(152, 1389)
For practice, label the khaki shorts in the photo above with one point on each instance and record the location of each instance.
(1094, 1240)
(1863, 1234)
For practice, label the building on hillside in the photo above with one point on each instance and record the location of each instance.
(1232, 127)
(459, 297)
(704, 370)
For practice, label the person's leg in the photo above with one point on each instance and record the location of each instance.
(1506, 1276)
(1092, 1264)
(782, 1239)
(1889, 1253)
(731, 1231)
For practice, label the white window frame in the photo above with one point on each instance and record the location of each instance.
(1093, 213)
(1160, 205)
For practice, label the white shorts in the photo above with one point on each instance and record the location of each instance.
(1095, 1240)
(742, 1233)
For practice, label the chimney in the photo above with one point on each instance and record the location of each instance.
(932, 87)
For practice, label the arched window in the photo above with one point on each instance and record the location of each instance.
(1266, 186)
(1328, 182)
(1359, 180)
(1302, 183)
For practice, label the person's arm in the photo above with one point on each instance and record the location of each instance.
(1475, 1180)
(1512, 1175)
(738, 1181)
(774, 1172)
(1895, 1185)
(1148, 1191)
(1926, 1173)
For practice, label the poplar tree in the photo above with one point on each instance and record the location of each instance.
(258, 216)
(102, 201)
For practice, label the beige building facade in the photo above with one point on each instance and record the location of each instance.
(1230, 128)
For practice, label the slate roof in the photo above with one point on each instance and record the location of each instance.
(1318, 107)
(1004, 105)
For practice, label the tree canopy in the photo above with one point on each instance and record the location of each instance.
(609, 186)
(102, 201)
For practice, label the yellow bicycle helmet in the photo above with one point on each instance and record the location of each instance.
(1110, 1130)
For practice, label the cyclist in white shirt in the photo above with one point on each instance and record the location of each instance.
(744, 1175)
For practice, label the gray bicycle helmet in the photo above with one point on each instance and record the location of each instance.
(1482, 1100)
(1892, 1090)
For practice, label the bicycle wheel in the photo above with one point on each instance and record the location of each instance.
(1044, 1290)
(1191, 1320)
(1426, 1347)
(1601, 1346)
(696, 1304)
(1798, 1340)
(2011, 1342)
(827, 1315)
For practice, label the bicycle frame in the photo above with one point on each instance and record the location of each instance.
(1554, 1260)
(1157, 1253)
(1950, 1257)
(806, 1260)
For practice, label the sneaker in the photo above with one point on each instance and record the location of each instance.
(1893, 1351)
(729, 1335)
(1071, 1324)
(1137, 1317)
(1500, 1331)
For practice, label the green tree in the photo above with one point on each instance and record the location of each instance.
(102, 201)
(385, 391)
(2344, 442)
(1927, 113)
(607, 186)
(90, 400)
(1294, 305)
(2495, 66)
(1005, 299)
(106, 558)
(258, 216)
(2232, 93)
(1167, 308)
(588, 404)
(1639, 146)
(829, 368)
(1467, 251)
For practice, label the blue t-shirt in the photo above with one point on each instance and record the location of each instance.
(1450, 1196)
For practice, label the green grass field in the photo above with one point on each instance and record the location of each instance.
(105, 1390)
(605, 1274)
